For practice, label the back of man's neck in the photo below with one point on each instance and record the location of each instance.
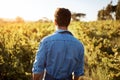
(62, 27)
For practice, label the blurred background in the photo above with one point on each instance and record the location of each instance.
(96, 23)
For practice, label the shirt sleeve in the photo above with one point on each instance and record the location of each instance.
(79, 71)
(39, 63)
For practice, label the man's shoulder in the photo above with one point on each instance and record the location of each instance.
(78, 42)
(48, 38)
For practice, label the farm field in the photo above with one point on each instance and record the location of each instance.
(19, 42)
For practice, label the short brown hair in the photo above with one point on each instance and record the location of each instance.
(62, 17)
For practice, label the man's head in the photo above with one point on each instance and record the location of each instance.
(62, 17)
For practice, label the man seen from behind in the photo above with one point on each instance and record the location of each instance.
(60, 54)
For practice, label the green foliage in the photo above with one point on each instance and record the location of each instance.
(19, 42)
(77, 16)
(102, 44)
(18, 45)
(111, 12)
(118, 11)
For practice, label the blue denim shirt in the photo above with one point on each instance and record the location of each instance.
(60, 54)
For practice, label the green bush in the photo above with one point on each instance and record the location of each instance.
(19, 43)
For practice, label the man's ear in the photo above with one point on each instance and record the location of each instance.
(55, 22)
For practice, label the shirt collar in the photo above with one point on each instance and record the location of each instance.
(63, 31)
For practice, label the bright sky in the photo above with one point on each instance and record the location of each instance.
(36, 9)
